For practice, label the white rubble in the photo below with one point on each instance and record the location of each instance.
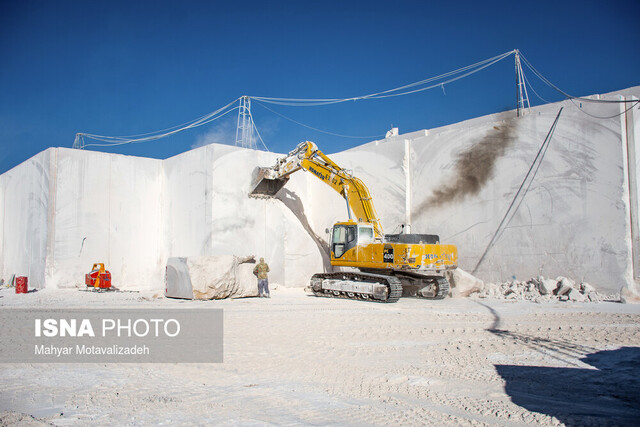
(564, 286)
(540, 289)
(546, 286)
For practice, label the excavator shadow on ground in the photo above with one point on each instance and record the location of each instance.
(575, 395)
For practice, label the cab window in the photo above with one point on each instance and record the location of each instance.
(351, 234)
(344, 238)
(365, 234)
(339, 234)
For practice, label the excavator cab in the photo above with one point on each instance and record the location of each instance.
(347, 235)
(344, 237)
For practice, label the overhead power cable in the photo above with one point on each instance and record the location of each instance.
(398, 91)
(151, 136)
(635, 102)
(565, 94)
(407, 89)
(534, 90)
(316, 129)
(572, 98)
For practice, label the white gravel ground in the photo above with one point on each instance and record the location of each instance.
(297, 359)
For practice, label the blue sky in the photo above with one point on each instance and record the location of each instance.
(121, 68)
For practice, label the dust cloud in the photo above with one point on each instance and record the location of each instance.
(473, 168)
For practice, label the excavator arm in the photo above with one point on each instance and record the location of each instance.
(308, 157)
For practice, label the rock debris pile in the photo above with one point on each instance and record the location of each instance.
(537, 289)
(540, 289)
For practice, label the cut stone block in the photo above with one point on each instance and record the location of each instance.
(211, 277)
(463, 284)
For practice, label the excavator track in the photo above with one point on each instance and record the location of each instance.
(359, 286)
(424, 287)
(442, 288)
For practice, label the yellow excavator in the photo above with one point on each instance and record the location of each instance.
(385, 266)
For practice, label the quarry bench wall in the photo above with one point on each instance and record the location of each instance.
(64, 209)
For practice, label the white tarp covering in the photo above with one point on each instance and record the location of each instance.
(65, 209)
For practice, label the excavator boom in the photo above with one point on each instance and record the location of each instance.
(308, 157)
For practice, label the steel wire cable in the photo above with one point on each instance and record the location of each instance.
(478, 66)
(114, 141)
(565, 94)
(458, 74)
(316, 129)
(121, 140)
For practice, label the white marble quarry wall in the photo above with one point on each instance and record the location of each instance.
(24, 225)
(107, 209)
(208, 211)
(458, 181)
(570, 222)
(630, 131)
(64, 209)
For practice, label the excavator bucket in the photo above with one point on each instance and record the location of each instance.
(266, 187)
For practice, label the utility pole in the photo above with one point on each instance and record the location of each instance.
(244, 130)
(522, 98)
